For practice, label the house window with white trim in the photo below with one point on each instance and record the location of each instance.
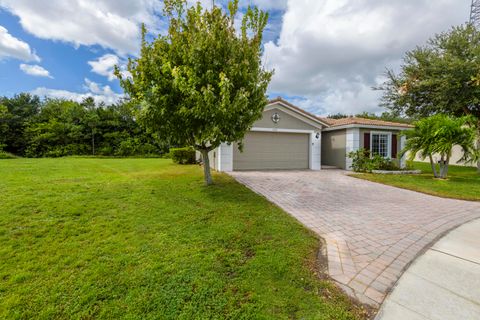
(380, 144)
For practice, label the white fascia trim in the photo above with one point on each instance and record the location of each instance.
(257, 129)
(219, 158)
(389, 146)
(320, 146)
(294, 113)
(352, 144)
(403, 159)
(225, 157)
(364, 126)
(315, 151)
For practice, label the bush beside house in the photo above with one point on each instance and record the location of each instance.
(364, 161)
(183, 155)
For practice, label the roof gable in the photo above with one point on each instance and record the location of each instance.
(297, 112)
(333, 124)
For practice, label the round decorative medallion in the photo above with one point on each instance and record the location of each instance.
(275, 117)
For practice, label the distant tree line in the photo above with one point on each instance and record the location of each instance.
(385, 116)
(32, 127)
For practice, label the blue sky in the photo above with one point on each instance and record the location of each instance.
(66, 64)
(327, 54)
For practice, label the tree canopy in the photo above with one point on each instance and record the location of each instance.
(33, 127)
(202, 83)
(437, 135)
(442, 76)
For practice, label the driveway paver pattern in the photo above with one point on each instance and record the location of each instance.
(372, 231)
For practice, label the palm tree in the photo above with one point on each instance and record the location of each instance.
(437, 135)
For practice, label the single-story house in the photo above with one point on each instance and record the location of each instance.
(289, 138)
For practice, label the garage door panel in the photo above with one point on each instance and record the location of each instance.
(273, 150)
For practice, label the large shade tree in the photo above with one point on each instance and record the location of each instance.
(441, 77)
(202, 83)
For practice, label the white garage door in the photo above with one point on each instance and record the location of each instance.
(272, 151)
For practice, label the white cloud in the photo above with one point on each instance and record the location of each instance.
(109, 23)
(99, 93)
(11, 47)
(113, 24)
(327, 54)
(35, 70)
(331, 52)
(105, 64)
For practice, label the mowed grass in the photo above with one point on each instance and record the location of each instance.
(144, 239)
(462, 183)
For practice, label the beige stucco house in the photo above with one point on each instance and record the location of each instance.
(289, 138)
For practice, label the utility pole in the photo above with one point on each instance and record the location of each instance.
(475, 14)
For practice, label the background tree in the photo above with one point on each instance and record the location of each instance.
(57, 130)
(437, 135)
(442, 77)
(202, 83)
(4, 119)
(338, 115)
(21, 108)
(92, 119)
(386, 116)
(59, 127)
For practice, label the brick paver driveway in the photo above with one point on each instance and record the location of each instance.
(372, 231)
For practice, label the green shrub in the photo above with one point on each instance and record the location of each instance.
(362, 161)
(6, 155)
(105, 151)
(55, 153)
(410, 165)
(127, 147)
(381, 163)
(183, 155)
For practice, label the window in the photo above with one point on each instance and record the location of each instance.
(380, 144)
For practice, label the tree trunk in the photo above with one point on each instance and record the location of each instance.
(478, 146)
(447, 164)
(206, 167)
(442, 166)
(93, 142)
(434, 170)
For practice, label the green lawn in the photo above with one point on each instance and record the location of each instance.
(462, 183)
(144, 239)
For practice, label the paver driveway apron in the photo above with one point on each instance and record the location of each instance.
(372, 231)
